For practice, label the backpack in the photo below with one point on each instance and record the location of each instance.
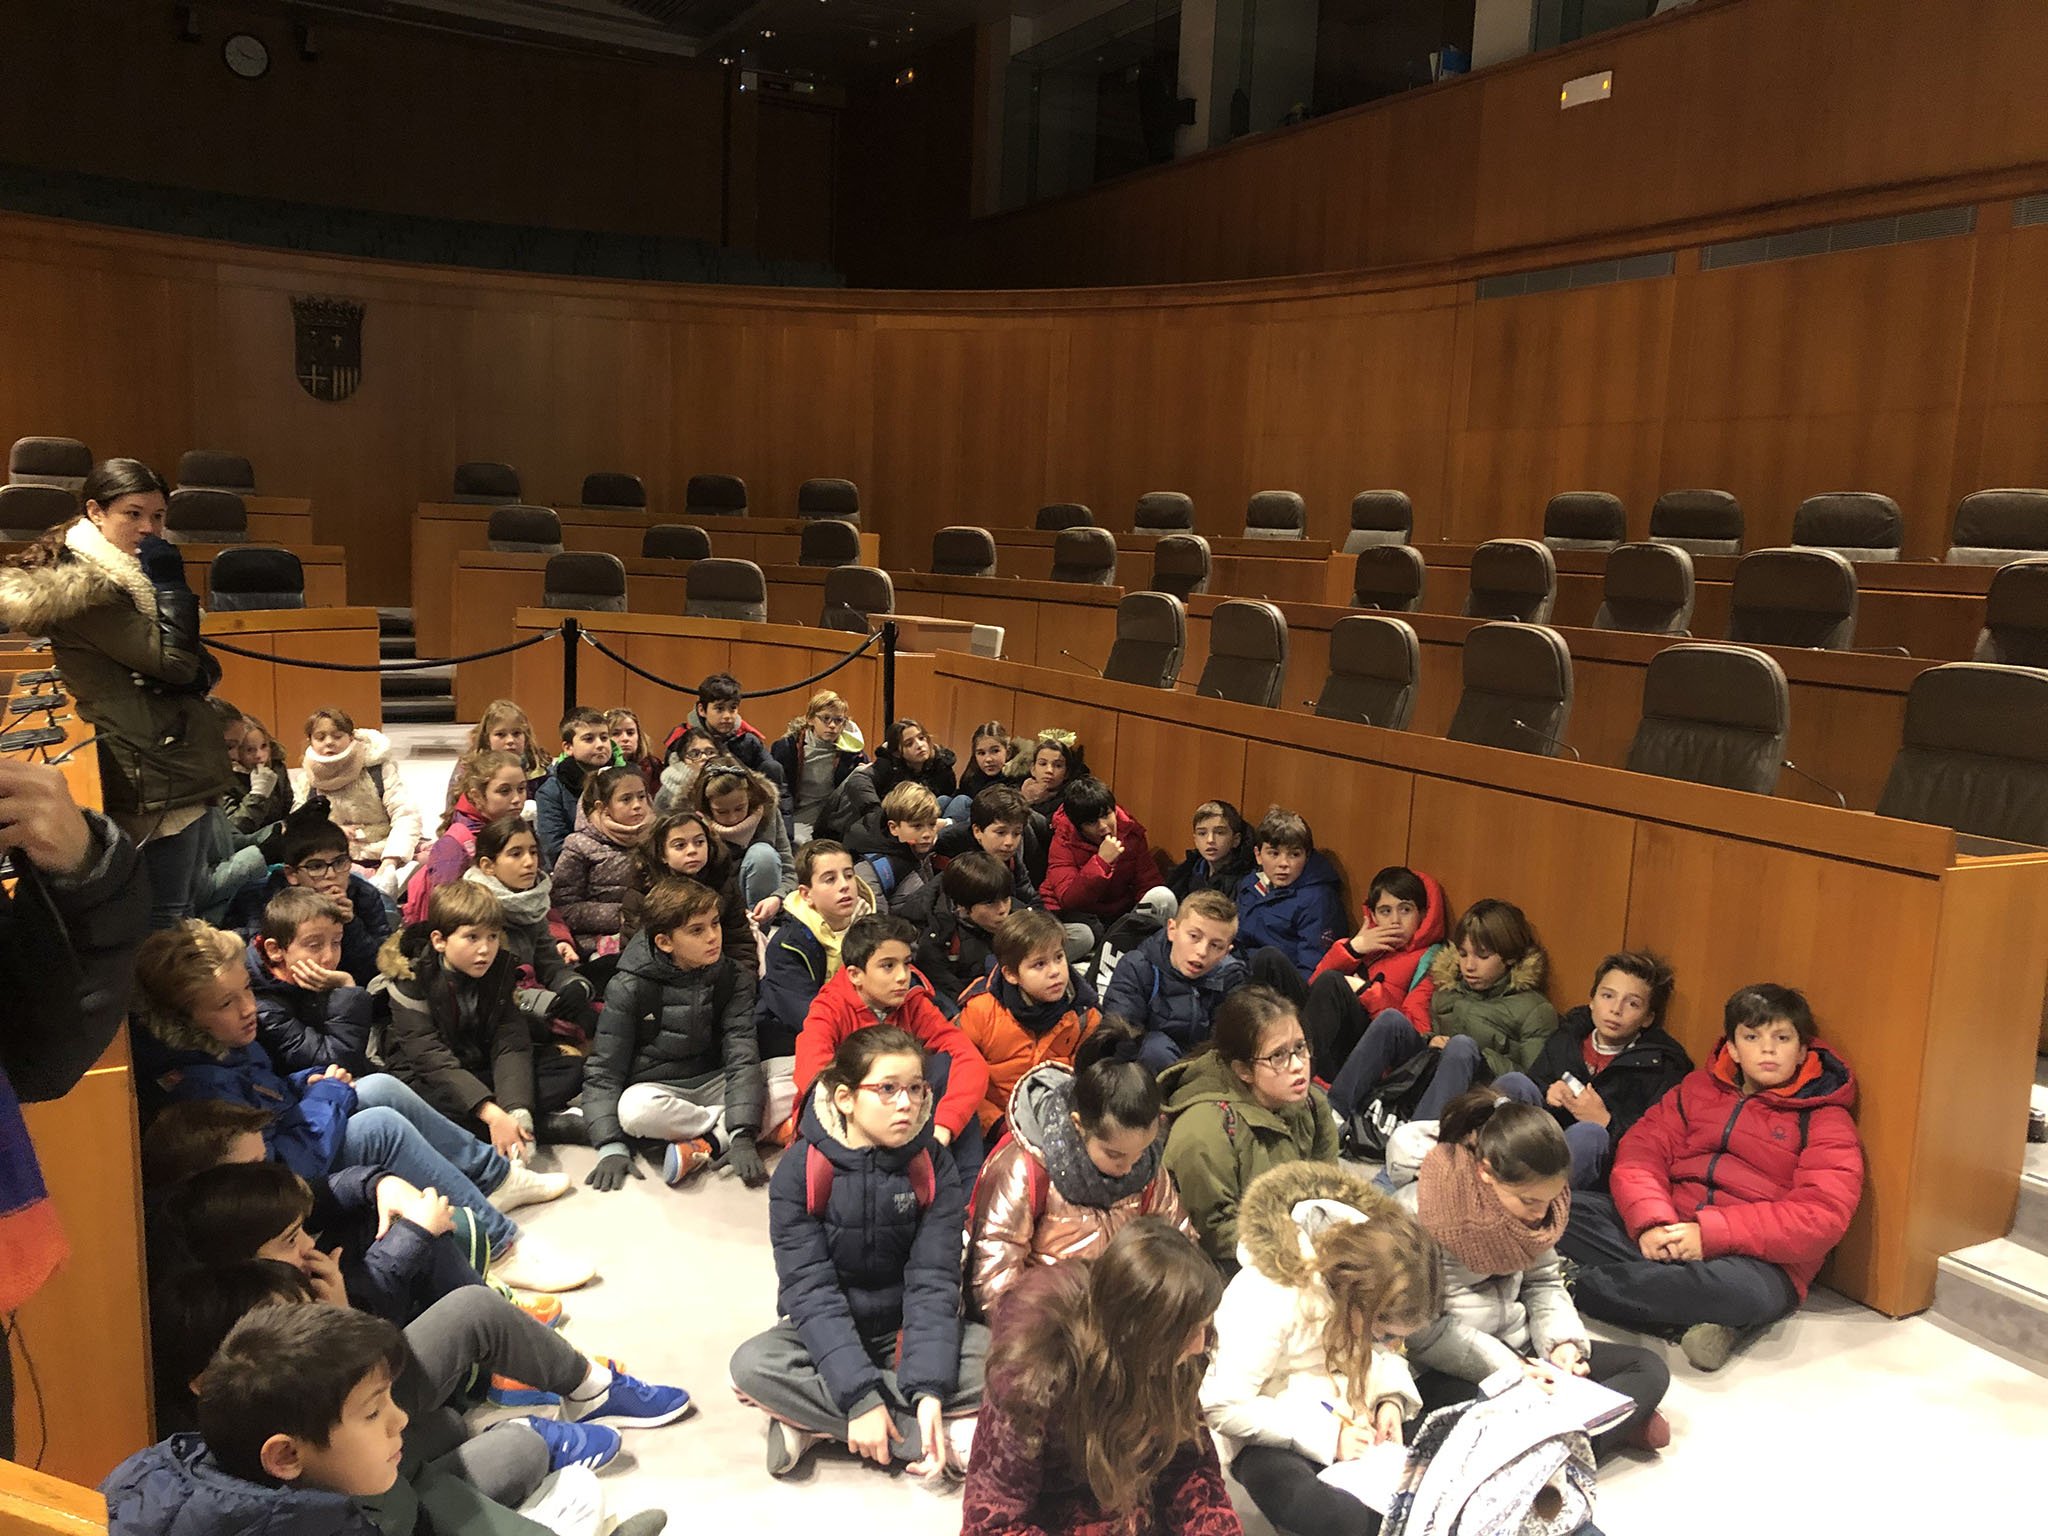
(818, 1173)
(1496, 1466)
(1390, 1105)
(1124, 935)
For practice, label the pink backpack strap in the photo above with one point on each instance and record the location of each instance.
(817, 1180)
(924, 1179)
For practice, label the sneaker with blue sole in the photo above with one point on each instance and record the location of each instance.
(577, 1445)
(632, 1404)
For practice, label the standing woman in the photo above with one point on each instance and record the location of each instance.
(110, 594)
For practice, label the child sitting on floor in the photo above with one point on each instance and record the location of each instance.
(1221, 857)
(957, 946)
(682, 843)
(895, 845)
(599, 866)
(489, 785)
(1100, 866)
(821, 747)
(1383, 968)
(1028, 1011)
(1171, 985)
(355, 773)
(315, 857)
(1292, 902)
(309, 1015)
(586, 749)
(550, 988)
(630, 746)
(718, 714)
(989, 752)
(745, 811)
(503, 728)
(804, 954)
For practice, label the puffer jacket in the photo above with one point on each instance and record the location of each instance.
(457, 1041)
(1299, 920)
(1400, 980)
(368, 926)
(1490, 1322)
(905, 884)
(555, 805)
(1269, 1375)
(593, 877)
(1222, 1138)
(663, 1024)
(305, 1029)
(746, 745)
(1193, 873)
(452, 853)
(952, 952)
(937, 774)
(175, 1061)
(1028, 1212)
(1148, 991)
(1648, 1067)
(735, 923)
(803, 954)
(1077, 881)
(1775, 1176)
(838, 1010)
(373, 808)
(876, 1276)
(1015, 1035)
(1509, 1021)
(132, 660)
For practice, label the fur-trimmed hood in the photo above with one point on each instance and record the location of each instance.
(393, 962)
(88, 573)
(1283, 1208)
(175, 1031)
(1525, 975)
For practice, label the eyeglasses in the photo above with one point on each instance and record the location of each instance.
(899, 1093)
(832, 724)
(1284, 1058)
(700, 754)
(320, 869)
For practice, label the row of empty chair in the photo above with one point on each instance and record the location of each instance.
(490, 483)
(63, 463)
(193, 516)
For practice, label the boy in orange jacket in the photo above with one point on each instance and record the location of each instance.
(1030, 1010)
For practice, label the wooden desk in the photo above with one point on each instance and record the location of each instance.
(1039, 618)
(1290, 569)
(279, 519)
(282, 697)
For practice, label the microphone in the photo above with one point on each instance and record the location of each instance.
(1072, 657)
(1840, 799)
(1310, 706)
(1555, 741)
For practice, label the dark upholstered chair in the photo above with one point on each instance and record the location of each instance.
(255, 576)
(485, 482)
(63, 462)
(1796, 597)
(1180, 564)
(828, 541)
(1058, 516)
(1993, 527)
(1512, 579)
(206, 517)
(204, 469)
(829, 498)
(1698, 522)
(1164, 512)
(715, 496)
(1974, 753)
(725, 589)
(586, 579)
(1276, 515)
(29, 511)
(852, 592)
(1647, 588)
(608, 488)
(1086, 556)
(1379, 517)
(1388, 577)
(1517, 692)
(1151, 638)
(1247, 653)
(1584, 520)
(963, 551)
(2015, 616)
(524, 530)
(1713, 714)
(1857, 525)
(1374, 665)
(675, 541)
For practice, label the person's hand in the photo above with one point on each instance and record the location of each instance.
(765, 909)
(931, 1438)
(744, 1159)
(161, 561)
(1386, 1421)
(331, 1074)
(567, 951)
(868, 1435)
(1110, 849)
(509, 1139)
(1682, 1242)
(1371, 939)
(1353, 1439)
(942, 1136)
(348, 909)
(394, 1195)
(262, 779)
(1655, 1243)
(1586, 1106)
(1566, 1357)
(314, 977)
(1033, 791)
(1542, 1372)
(430, 1211)
(1557, 1095)
(39, 817)
(323, 1270)
(611, 1171)
(1438, 1042)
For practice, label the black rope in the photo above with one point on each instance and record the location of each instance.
(752, 693)
(419, 664)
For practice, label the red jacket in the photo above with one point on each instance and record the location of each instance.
(1775, 1175)
(837, 1011)
(1076, 879)
(1392, 979)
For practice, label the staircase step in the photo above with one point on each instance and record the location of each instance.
(419, 711)
(392, 647)
(394, 621)
(1996, 1295)
(420, 682)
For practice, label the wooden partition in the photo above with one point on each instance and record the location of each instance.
(326, 568)
(283, 696)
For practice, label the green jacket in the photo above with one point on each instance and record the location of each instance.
(1510, 1021)
(1221, 1138)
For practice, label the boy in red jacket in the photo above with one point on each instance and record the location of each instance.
(1100, 864)
(1382, 969)
(875, 984)
(1731, 1191)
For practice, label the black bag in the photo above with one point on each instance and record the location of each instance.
(1124, 935)
(1390, 1105)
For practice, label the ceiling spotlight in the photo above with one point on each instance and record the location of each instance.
(725, 59)
(767, 31)
(874, 42)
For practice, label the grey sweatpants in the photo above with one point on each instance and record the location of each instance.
(773, 1371)
(675, 1111)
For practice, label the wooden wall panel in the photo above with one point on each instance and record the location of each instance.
(1369, 829)
(2012, 444)
(1164, 771)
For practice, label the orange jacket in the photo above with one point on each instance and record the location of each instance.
(1008, 1047)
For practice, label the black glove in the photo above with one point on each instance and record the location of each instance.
(611, 1170)
(573, 995)
(744, 1159)
(161, 562)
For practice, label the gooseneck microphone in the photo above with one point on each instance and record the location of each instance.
(1841, 799)
(1090, 666)
(1555, 741)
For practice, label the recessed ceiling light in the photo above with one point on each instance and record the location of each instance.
(767, 31)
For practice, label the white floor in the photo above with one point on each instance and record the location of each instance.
(1838, 1421)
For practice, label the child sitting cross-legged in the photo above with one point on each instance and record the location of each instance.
(586, 749)
(315, 857)
(309, 1015)
(804, 954)
(682, 843)
(1028, 1011)
(1171, 985)
(957, 946)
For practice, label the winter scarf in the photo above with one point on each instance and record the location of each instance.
(524, 908)
(1034, 1018)
(621, 837)
(740, 833)
(333, 772)
(1067, 1162)
(1462, 1213)
(84, 539)
(32, 1242)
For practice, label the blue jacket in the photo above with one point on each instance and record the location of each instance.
(1300, 920)
(396, 1276)
(308, 1120)
(873, 1266)
(303, 1029)
(366, 930)
(554, 816)
(1147, 990)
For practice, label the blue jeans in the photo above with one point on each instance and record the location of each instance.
(1590, 1144)
(172, 864)
(956, 810)
(1390, 1040)
(760, 873)
(396, 1129)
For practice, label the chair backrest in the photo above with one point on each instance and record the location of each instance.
(675, 541)
(1857, 525)
(1164, 512)
(255, 576)
(205, 517)
(725, 589)
(1388, 577)
(828, 541)
(485, 482)
(1058, 516)
(1512, 579)
(1796, 597)
(715, 496)
(963, 551)
(1151, 637)
(1379, 517)
(1974, 752)
(519, 529)
(852, 592)
(1180, 564)
(1698, 522)
(63, 462)
(207, 469)
(1584, 520)
(829, 498)
(2015, 615)
(1993, 527)
(1247, 653)
(586, 579)
(609, 488)
(1713, 714)
(1276, 515)
(1086, 556)
(29, 511)
(1374, 665)
(1517, 692)
(1647, 588)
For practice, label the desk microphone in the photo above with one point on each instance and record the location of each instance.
(1310, 706)
(1090, 666)
(1840, 799)
(1555, 741)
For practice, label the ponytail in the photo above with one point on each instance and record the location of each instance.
(1112, 1090)
(1519, 1143)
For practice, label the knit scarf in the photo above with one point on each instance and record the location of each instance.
(1033, 1018)
(525, 908)
(32, 1242)
(741, 832)
(1069, 1167)
(615, 834)
(1461, 1212)
(332, 772)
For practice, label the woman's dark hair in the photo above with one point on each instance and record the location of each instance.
(192, 1308)
(111, 479)
(1643, 966)
(494, 837)
(1519, 1143)
(859, 1051)
(1242, 1021)
(1113, 1090)
(653, 853)
(1765, 1002)
(599, 788)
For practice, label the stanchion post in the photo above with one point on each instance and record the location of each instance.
(572, 638)
(888, 672)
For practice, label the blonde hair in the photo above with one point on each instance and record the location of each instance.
(473, 774)
(502, 715)
(824, 698)
(174, 966)
(912, 803)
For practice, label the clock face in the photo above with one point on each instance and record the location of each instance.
(246, 55)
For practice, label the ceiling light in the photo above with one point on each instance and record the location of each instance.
(767, 31)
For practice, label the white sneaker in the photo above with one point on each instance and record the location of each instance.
(531, 1265)
(523, 1186)
(569, 1503)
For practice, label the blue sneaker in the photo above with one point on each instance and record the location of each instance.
(508, 1393)
(577, 1445)
(633, 1404)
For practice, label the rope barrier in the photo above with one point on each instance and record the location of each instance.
(418, 664)
(752, 693)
